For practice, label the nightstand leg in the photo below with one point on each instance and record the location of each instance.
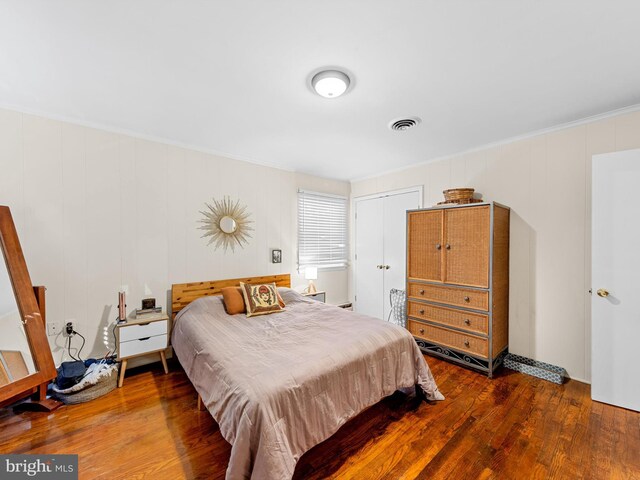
(164, 362)
(123, 367)
(200, 404)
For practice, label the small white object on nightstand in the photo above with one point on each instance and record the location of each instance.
(311, 274)
(142, 336)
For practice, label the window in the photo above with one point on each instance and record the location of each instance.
(322, 230)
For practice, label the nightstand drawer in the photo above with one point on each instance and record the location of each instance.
(318, 297)
(144, 330)
(142, 346)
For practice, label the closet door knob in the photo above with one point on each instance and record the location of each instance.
(467, 299)
(421, 312)
(467, 321)
(438, 246)
(421, 292)
(387, 267)
(466, 343)
(422, 330)
(447, 246)
(379, 267)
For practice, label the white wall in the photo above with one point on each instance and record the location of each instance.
(546, 181)
(97, 211)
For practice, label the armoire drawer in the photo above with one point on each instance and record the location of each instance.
(460, 297)
(449, 338)
(472, 322)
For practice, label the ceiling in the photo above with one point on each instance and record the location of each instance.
(233, 77)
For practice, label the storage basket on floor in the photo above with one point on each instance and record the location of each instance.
(104, 385)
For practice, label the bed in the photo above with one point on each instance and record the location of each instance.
(279, 384)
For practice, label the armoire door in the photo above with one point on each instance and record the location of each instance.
(615, 263)
(467, 236)
(425, 245)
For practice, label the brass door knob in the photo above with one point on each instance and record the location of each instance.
(421, 292)
(438, 246)
(447, 246)
(602, 293)
(467, 321)
(421, 312)
(422, 330)
(467, 299)
(466, 343)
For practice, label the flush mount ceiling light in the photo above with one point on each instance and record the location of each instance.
(330, 83)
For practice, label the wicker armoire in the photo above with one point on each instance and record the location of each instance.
(458, 282)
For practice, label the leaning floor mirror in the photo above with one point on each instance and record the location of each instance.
(26, 363)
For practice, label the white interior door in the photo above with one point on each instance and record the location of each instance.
(395, 241)
(615, 378)
(369, 255)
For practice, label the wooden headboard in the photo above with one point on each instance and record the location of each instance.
(182, 294)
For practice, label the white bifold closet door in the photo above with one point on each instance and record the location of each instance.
(380, 250)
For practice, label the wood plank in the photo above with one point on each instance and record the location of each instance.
(500, 279)
(182, 294)
(508, 427)
(41, 299)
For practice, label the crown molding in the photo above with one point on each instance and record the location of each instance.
(137, 135)
(486, 146)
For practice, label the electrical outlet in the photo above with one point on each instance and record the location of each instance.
(54, 328)
(69, 328)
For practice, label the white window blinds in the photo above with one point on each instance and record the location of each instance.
(322, 230)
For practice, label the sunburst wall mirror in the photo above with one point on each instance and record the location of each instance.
(226, 223)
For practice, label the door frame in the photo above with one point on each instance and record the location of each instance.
(353, 208)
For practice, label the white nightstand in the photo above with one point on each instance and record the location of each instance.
(318, 296)
(142, 336)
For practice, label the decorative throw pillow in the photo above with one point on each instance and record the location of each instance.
(233, 300)
(260, 299)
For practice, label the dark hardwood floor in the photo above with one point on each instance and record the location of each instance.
(513, 426)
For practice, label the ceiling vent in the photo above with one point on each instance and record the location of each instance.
(404, 124)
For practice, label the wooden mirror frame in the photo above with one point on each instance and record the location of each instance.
(29, 312)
